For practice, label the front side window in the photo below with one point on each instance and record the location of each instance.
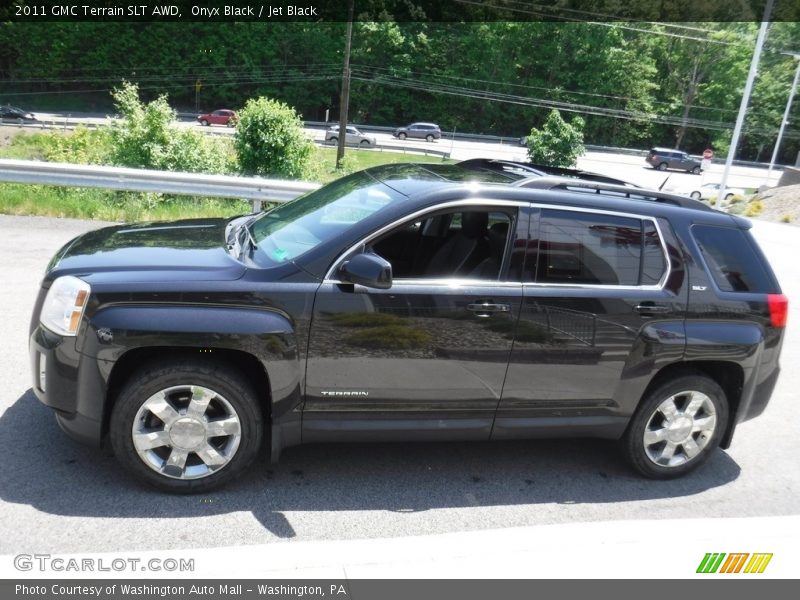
(467, 243)
(595, 249)
(286, 232)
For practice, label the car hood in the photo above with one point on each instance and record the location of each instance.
(188, 250)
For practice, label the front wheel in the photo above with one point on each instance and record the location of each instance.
(662, 167)
(365, 143)
(186, 427)
(204, 123)
(728, 197)
(333, 140)
(676, 427)
(401, 136)
(695, 195)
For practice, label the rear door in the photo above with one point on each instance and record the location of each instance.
(593, 281)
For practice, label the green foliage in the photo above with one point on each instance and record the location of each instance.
(146, 137)
(83, 146)
(390, 337)
(557, 143)
(269, 140)
(365, 319)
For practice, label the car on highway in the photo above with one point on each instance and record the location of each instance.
(411, 302)
(422, 131)
(353, 136)
(709, 191)
(223, 116)
(669, 158)
(12, 114)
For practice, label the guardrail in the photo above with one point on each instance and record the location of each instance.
(255, 189)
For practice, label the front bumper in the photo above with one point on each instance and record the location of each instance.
(70, 383)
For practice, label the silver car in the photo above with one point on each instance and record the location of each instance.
(353, 136)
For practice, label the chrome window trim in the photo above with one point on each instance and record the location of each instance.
(455, 203)
(461, 282)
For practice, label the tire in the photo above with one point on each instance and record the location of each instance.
(223, 396)
(204, 123)
(728, 197)
(662, 166)
(401, 136)
(20, 121)
(695, 195)
(653, 459)
(429, 138)
(364, 143)
(696, 171)
(334, 140)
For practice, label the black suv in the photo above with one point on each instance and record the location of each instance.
(412, 302)
(667, 158)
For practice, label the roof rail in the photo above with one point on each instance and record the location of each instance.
(550, 183)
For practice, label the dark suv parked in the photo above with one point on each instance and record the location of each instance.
(665, 158)
(412, 302)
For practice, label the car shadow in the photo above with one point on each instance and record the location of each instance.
(46, 470)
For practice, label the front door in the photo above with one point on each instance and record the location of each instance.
(425, 359)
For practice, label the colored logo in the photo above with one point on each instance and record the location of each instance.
(719, 562)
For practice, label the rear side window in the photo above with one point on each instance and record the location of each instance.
(732, 260)
(597, 249)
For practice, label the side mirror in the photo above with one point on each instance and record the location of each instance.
(369, 270)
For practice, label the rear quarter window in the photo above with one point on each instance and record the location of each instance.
(732, 260)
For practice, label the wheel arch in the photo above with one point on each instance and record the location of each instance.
(137, 359)
(728, 375)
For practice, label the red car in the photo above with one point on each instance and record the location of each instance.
(222, 116)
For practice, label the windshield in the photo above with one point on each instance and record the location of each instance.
(292, 229)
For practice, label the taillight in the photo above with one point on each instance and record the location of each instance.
(778, 309)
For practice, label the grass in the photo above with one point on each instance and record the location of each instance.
(83, 203)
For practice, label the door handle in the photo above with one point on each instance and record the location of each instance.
(653, 308)
(486, 309)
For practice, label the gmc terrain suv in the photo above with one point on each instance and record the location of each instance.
(412, 302)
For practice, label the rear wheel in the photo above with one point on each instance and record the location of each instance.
(695, 195)
(186, 427)
(676, 427)
(696, 171)
(333, 140)
(728, 197)
(429, 137)
(662, 166)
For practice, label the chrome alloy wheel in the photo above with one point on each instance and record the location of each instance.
(680, 428)
(186, 432)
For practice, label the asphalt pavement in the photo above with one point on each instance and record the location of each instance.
(57, 496)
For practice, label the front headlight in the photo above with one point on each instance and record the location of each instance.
(64, 305)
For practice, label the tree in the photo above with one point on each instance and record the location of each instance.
(146, 137)
(557, 143)
(269, 140)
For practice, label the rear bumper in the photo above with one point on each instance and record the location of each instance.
(70, 383)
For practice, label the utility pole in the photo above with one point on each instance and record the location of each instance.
(785, 119)
(748, 88)
(345, 100)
